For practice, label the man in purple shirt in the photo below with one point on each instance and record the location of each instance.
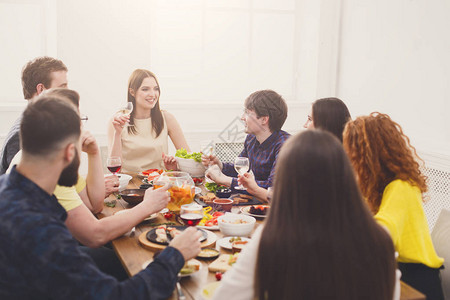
(265, 114)
(39, 257)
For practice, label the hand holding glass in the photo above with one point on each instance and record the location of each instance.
(241, 165)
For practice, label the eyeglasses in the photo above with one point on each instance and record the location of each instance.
(83, 118)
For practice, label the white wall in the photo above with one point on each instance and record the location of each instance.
(394, 58)
(209, 55)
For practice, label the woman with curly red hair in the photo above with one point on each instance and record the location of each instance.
(390, 180)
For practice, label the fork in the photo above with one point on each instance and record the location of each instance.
(179, 291)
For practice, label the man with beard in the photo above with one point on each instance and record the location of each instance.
(39, 258)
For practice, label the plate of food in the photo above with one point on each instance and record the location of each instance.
(208, 253)
(227, 242)
(150, 173)
(209, 221)
(164, 234)
(190, 267)
(257, 211)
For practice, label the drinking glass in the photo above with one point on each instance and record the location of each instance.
(241, 165)
(127, 109)
(191, 214)
(114, 164)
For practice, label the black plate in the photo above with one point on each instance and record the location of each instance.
(151, 235)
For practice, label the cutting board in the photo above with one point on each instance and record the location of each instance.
(220, 264)
(210, 240)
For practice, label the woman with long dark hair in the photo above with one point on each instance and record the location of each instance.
(319, 240)
(391, 181)
(144, 142)
(329, 114)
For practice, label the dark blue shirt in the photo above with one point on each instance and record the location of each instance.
(39, 259)
(262, 158)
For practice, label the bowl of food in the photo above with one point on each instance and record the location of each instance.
(236, 224)
(198, 180)
(224, 204)
(223, 192)
(194, 168)
(132, 196)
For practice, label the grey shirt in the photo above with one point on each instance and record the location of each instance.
(10, 147)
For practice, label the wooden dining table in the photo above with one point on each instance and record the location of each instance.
(134, 256)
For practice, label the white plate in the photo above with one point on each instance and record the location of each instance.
(215, 227)
(198, 190)
(225, 242)
(246, 211)
(145, 264)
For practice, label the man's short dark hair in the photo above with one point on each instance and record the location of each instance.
(65, 94)
(268, 103)
(39, 71)
(46, 124)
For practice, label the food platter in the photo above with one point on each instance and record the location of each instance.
(151, 235)
(225, 242)
(246, 211)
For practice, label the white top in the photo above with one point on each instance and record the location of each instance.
(143, 151)
(237, 283)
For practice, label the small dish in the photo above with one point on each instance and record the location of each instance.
(132, 196)
(246, 210)
(151, 234)
(225, 242)
(208, 253)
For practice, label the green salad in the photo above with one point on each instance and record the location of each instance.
(182, 153)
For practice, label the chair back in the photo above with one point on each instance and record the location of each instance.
(441, 241)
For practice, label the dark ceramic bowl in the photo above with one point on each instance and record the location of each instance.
(133, 196)
(224, 193)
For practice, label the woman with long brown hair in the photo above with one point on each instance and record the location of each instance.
(143, 144)
(391, 181)
(320, 240)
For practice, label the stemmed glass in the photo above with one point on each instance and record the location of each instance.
(127, 109)
(114, 164)
(241, 165)
(191, 214)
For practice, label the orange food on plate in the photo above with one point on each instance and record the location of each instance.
(152, 173)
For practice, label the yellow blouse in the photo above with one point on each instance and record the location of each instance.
(401, 212)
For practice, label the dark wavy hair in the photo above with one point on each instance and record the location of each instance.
(135, 83)
(330, 114)
(380, 153)
(320, 240)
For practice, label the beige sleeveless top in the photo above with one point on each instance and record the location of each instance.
(143, 151)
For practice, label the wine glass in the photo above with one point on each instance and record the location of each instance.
(241, 165)
(127, 109)
(114, 164)
(191, 214)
